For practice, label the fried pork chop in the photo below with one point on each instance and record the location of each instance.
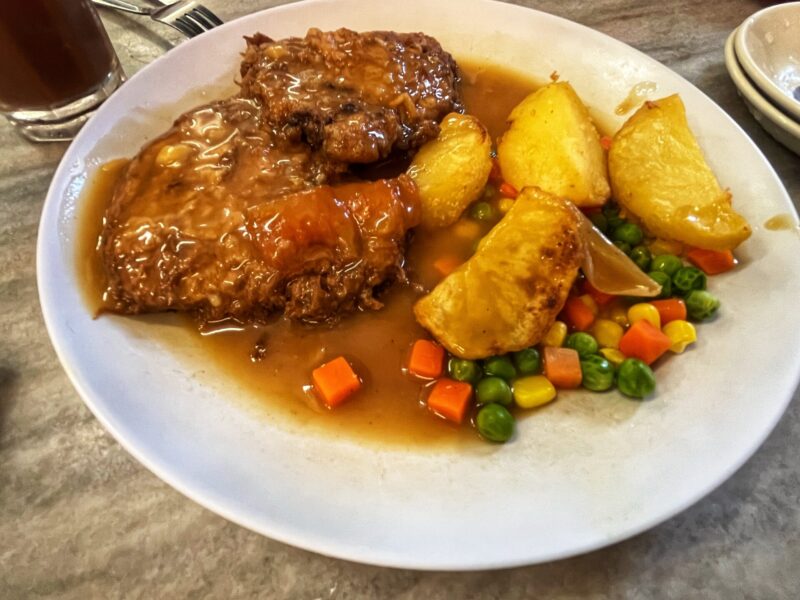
(358, 96)
(242, 209)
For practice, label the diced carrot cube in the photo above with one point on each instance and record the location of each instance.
(577, 314)
(426, 359)
(644, 341)
(445, 265)
(335, 381)
(450, 399)
(562, 366)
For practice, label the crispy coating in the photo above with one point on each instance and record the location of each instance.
(508, 294)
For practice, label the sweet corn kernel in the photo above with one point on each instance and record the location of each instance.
(505, 204)
(607, 333)
(533, 391)
(555, 335)
(681, 334)
(590, 302)
(657, 247)
(619, 314)
(612, 355)
(644, 311)
(466, 229)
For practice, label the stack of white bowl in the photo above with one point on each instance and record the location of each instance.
(763, 59)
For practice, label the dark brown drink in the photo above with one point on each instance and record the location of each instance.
(53, 53)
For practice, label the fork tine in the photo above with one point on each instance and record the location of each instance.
(192, 27)
(196, 15)
(180, 26)
(210, 16)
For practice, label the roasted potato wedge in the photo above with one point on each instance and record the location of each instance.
(451, 171)
(508, 294)
(659, 174)
(552, 143)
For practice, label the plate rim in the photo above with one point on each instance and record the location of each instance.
(324, 546)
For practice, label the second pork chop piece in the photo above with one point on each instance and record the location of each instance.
(357, 96)
(223, 218)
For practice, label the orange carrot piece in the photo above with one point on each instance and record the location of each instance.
(577, 315)
(445, 265)
(426, 359)
(645, 342)
(712, 262)
(600, 297)
(671, 309)
(450, 399)
(495, 176)
(508, 190)
(605, 142)
(335, 381)
(562, 366)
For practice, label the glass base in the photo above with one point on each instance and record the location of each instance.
(62, 123)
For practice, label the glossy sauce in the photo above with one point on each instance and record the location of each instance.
(782, 222)
(273, 363)
(635, 97)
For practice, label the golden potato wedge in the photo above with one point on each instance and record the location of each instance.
(659, 174)
(452, 170)
(552, 143)
(508, 294)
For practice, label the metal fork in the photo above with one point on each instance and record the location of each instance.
(187, 16)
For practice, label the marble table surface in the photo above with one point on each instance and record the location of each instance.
(80, 518)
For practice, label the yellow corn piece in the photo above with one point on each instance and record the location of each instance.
(555, 335)
(590, 302)
(504, 205)
(681, 334)
(619, 314)
(466, 229)
(612, 355)
(644, 311)
(533, 391)
(607, 333)
(657, 247)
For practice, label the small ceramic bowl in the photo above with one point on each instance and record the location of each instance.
(777, 124)
(768, 48)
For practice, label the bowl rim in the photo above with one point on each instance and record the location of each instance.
(754, 71)
(751, 93)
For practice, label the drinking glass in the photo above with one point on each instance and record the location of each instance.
(56, 66)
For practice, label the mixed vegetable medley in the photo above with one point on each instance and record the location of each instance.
(542, 305)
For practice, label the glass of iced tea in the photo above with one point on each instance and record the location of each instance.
(56, 66)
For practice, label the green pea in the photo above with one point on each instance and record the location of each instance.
(500, 366)
(493, 389)
(583, 343)
(483, 211)
(613, 220)
(666, 263)
(642, 257)
(464, 370)
(687, 279)
(701, 305)
(599, 220)
(528, 361)
(629, 233)
(624, 246)
(664, 281)
(495, 423)
(598, 373)
(635, 379)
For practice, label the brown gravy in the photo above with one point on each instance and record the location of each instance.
(389, 407)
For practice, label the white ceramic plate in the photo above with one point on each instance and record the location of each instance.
(768, 47)
(587, 471)
(770, 117)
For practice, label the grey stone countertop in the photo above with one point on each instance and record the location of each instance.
(80, 518)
